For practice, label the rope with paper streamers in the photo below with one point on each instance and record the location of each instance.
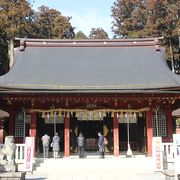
(67, 112)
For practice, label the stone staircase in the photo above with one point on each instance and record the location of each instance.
(49, 168)
(50, 165)
(37, 174)
(92, 167)
(38, 162)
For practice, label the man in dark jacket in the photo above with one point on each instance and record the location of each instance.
(101, 144)
(80, 142)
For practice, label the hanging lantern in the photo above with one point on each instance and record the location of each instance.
(140, 114)
(51, 116)
(84, 116)
(100, 115)
(55, 116)
(89, 116)
(130, 117)
(126, 115)
(43, 115)
(103, 114)
(48, 116)
(96, 115)
(79, 115)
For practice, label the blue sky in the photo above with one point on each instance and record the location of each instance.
(86, 14)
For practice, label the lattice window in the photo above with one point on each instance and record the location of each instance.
(160, 125)
(19, 125)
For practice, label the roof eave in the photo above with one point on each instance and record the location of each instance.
(172, 90)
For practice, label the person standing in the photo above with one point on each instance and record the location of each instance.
(45, 142)
(55, 145)
(101, 145)
(80, 142)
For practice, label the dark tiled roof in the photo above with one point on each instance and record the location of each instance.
(89, 65)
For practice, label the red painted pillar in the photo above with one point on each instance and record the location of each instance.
(12, 116)
(32, 130)
(149, 131)
(67, 136)
(169, 123)
(1, 131)
(116, 135)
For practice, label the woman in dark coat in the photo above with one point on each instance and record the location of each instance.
(55, 146)
(80, 142)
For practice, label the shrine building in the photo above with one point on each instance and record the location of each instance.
(122, 88)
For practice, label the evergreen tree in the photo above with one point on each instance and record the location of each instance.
(16, 18)
(80, 35)
(148, 18)
(15, 21)
(3, 53)
(98, 33)
(50, 23)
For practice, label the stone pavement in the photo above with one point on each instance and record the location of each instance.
(93, 168)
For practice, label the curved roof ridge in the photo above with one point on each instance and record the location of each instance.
(26, 42)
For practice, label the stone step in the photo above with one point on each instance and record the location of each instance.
(52, 165)
(36, 176)
(37, 163)
(56, 165)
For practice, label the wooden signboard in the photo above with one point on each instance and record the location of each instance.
(29, 150)
(157, 153)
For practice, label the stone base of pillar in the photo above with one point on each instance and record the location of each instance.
(178, 130)
(12, 175)
(8, 168)
(129, 151)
